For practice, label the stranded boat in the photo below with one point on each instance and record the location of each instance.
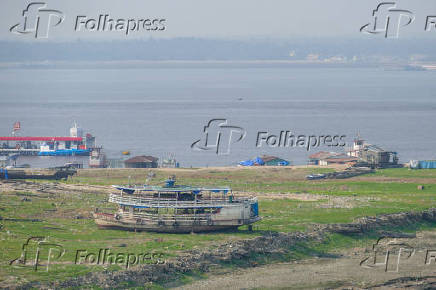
(56, 173)
(177, 209)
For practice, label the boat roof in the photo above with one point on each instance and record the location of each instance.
(173, 189)
(29, 138)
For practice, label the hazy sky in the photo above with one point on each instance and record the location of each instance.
(222, 19)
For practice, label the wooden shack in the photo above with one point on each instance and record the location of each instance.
(143, 161)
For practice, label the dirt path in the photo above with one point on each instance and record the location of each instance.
(379, 179)
(50, 187)
(343, 271)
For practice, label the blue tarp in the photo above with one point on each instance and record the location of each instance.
(5, 172)
(246, 163)
(255, 209)
(259, 161)
(427, 164)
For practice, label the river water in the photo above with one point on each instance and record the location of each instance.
(161, 110)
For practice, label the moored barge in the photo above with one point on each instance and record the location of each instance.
(74, 145)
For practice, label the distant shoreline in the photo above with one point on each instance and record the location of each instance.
(132, 64)
(144, 64)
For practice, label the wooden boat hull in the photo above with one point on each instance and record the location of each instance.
(109, 222)
(59, 173)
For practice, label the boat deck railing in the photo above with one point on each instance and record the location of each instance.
(140, 189)
(146, 217)
(150, 202)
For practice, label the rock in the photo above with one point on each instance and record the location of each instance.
(386, 234)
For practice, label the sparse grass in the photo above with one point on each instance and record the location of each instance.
(406, 173)
(368, 197)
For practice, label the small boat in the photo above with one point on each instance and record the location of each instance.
(65, 152)
(177, 209)
(315, 176)
(97, 159)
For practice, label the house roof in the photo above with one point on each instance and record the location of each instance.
(323, 155)
(267, 158)
(341, 159)
(374, 148)
(141, 159)
(48, 139)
